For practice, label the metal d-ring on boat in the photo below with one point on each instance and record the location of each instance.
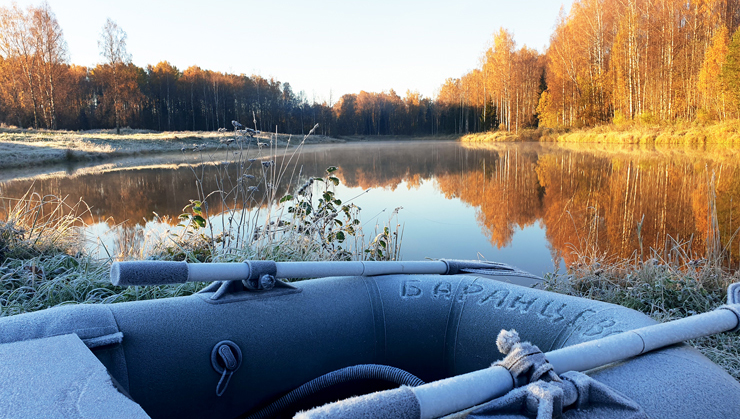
(259, 340)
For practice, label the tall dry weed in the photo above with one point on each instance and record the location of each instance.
(265, 207)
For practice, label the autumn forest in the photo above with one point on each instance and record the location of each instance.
(608, 61)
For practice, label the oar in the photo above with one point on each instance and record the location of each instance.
(159, 272)
(444, 397)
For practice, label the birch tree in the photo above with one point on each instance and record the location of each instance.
(51, 50)
(112, 46)
(18, 48)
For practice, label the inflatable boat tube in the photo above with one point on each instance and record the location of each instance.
(194, 357)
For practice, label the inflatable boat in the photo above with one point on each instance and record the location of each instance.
(251, 345)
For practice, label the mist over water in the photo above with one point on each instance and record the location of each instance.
(529, 205)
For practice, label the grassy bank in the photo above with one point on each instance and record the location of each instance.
(27, 147)
(524, 135)
(441, 137)
(722, 133)
(694, 134)
(663, 289)
(714, 152)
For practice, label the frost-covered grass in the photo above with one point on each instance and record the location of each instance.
(663, 287)
(43, 266)
(41, 262)
(24, 147)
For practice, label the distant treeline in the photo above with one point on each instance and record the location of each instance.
(608, 61)
(40, 88)
(164, 98)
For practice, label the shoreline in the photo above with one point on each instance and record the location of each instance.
(726, 133)
(28, 147)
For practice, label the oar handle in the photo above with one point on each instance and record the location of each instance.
(160, 272)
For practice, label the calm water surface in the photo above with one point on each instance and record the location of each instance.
(529, 205)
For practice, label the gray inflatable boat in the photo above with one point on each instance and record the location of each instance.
(259, 347)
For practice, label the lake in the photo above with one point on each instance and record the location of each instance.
(531, 205)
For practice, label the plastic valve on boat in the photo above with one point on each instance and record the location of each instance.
(226, 358)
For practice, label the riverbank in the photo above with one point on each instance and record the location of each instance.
(712, 152)
(725, 133)
(665, 288)
(29, 147)
(524, 135)
(380, 138)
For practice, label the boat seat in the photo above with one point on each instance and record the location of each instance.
(94, 324)
(59, 377)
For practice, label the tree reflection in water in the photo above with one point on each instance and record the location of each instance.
(584, 198)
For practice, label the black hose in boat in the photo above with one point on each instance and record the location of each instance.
(344, 375)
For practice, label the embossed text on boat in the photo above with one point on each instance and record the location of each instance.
(548, 309)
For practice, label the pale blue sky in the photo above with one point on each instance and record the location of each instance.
(316, 46)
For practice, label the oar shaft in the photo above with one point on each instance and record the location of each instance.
(325, 269)
(587, 355)
(436, 400)
(160, 272)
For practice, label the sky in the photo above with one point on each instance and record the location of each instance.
(323, 48)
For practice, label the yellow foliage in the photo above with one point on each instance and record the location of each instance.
(711, 85)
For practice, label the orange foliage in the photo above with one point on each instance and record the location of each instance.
(637, 59)
(502, 94)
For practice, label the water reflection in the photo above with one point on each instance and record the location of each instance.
(622, 203)
(516, 202)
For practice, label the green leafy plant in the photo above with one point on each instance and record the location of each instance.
(386, 245)
(318, 214)
(196, 216)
